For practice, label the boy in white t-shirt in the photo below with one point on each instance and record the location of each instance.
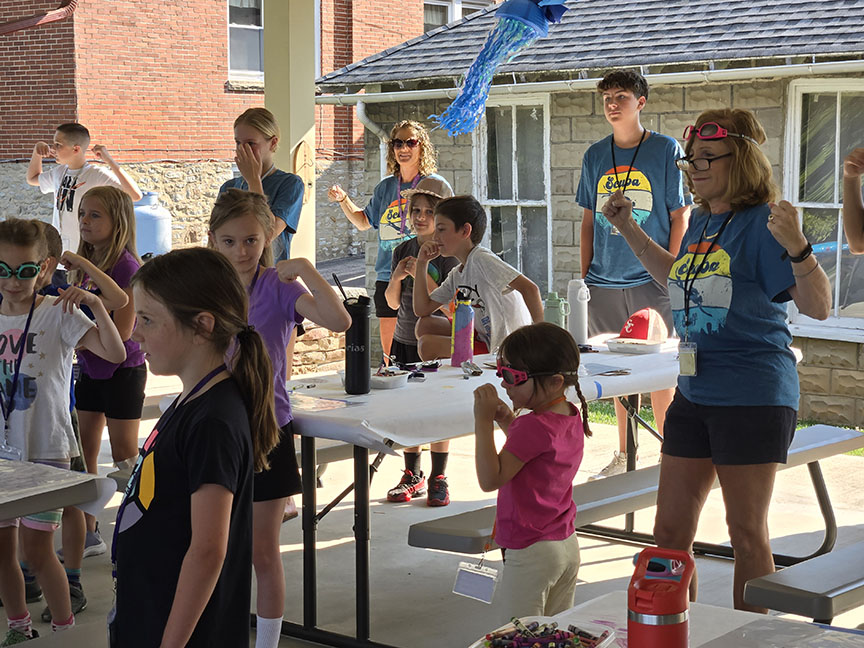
(502, 297)
(73, 176)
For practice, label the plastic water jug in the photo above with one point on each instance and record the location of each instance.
(658, 602)
(578, 296)
(152, 225)
(556, 310)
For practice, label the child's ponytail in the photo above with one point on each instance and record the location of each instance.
(197, 280)
(250, 362)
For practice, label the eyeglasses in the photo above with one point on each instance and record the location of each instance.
(698, 164)
(397, 143)
(713, 131)
(517, 377)
(24, 271)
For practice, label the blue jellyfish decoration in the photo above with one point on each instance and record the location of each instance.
(520, 23)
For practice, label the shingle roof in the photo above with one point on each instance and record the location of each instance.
(598, 34)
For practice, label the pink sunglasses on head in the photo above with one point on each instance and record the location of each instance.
(713, 131)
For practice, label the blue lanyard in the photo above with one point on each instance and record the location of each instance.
(403, 211)
(136, 472)
(7, 405)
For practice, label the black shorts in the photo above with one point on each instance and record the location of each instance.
(728, 435)
(405, 354)
(119, 397)
(381, 307)
(282, 479)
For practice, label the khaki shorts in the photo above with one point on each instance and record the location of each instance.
(610, 308)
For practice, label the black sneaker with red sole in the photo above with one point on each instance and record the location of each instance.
(409, 486)
(439, 493)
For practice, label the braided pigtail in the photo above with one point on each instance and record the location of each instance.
(583, 407)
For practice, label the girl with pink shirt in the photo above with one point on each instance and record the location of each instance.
(534, 471)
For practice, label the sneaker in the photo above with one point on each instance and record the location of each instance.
(32, 592)
(409, 486)
(617, 466)
(439, 494)
(94, 545)
(14, 637)
(76, 597)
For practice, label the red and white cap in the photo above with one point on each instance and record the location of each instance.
(646, 326)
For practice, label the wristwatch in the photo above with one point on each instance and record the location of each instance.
(798, 259)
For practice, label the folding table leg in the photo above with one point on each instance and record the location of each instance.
(310, 530)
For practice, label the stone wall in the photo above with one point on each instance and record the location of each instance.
(832, 375)
(336, 236)
(318, 351)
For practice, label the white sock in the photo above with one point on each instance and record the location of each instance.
(267, 632)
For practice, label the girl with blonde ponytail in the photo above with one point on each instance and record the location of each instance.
(182, 547)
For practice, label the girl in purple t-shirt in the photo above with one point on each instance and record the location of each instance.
(108, 392)
(534, 472)
(241, 227)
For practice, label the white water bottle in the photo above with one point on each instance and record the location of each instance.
(578, 296)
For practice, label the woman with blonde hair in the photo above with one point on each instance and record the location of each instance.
(734, 412)
(410, 158)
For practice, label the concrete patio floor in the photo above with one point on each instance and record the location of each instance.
(412, 603)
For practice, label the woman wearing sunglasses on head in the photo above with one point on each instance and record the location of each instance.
(410, 158)
(734, 412)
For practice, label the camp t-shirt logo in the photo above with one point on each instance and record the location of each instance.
(10, 345)
(712, 288)
(390, 228)
(66, 192)
(637, 189)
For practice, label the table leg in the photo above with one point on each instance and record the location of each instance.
(632, 405)
(310, 530)
(361, 539)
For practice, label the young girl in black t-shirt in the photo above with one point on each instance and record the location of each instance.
(183, 538)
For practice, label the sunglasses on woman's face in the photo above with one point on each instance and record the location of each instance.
(24, 271)
(399, 143)
(712, 131)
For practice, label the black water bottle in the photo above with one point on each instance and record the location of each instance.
(357, 345)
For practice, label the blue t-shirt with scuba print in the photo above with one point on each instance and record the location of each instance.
(737, 311)
(656, 189)
(382, 212)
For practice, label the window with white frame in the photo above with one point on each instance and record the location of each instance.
(512, 174)
(245, 39)
(441, 12)
(825, 125)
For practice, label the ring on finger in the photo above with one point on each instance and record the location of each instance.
(770, 217)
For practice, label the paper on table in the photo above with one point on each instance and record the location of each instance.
(105, 489)
(779, 633)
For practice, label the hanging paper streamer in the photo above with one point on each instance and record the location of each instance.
(520, 23)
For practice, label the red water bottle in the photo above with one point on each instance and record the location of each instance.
(658, 602)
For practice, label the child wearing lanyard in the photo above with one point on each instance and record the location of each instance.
(182, 548)
(38, 335)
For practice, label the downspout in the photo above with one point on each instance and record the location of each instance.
(64, 11)
(375, 129)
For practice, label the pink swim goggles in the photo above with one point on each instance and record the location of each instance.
(713, 131)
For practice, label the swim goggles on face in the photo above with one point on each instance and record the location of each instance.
(516, 377)
(24, 271)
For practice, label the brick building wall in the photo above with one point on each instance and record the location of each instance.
(37, 87)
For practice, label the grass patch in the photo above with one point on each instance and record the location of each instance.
(603, 412)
